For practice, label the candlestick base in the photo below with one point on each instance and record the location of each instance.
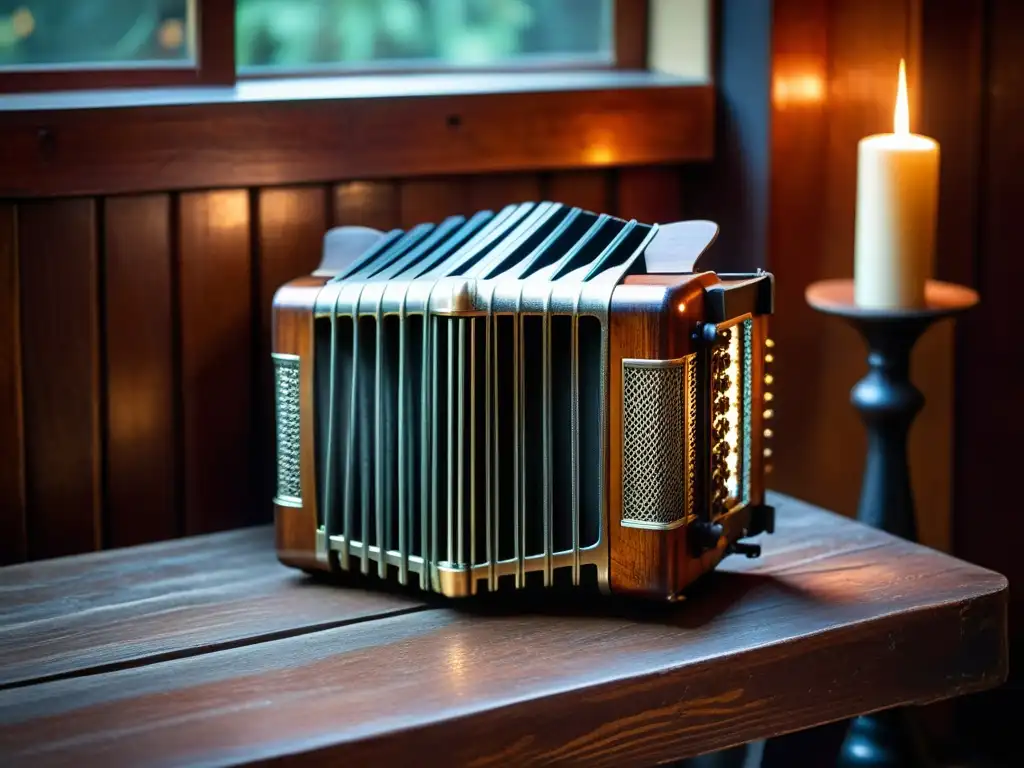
(888, 403)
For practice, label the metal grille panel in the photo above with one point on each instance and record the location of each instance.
(655, 468)
(286, 412)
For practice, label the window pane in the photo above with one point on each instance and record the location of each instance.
(77, 33)
(382, 34)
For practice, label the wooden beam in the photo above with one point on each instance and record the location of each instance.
(255, 143)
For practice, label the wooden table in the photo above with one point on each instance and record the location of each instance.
(207, 651)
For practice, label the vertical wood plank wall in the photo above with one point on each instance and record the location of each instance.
(135, 387)
(835, 65)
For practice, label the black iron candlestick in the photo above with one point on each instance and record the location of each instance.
(888, 403)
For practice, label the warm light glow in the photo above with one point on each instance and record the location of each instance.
(681, 307)
(457, 663)
(806, 88)
(599, 153)
(901, 119)
(228, 210)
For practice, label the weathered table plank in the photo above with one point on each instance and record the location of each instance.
(835, 620)
(125, 607)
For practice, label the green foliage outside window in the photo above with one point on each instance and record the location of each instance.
(95, 32)
(304, 33)
(308, 34)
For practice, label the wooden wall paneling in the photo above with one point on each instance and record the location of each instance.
(830, 356)
(733, 188)
(13, 542)
(432, 199)
(819, 358)
(495, 191)
(651, 194)
(953, 96)
(367, 203)
(291, 225)
(60, 347)
(990, 419)
(952, 83)
(590, 190)
(868, 40)
(141, 395)
(799, 147)
(959, 71)
(210, 138)
(216, 358)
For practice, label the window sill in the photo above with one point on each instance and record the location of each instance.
(267, 132)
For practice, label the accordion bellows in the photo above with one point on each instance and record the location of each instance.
(536, 396)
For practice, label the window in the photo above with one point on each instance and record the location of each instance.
(62, 44)
(89, 33)
(417, 34)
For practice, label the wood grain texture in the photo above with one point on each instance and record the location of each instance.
(995, 413)
(60, 347)
(295, 527)
(639, 560)
(834, 72)
(297, 141)
(141, 401)
(431, 200)
(495, 191)
(799, 142)
(136, 606)
(656, 564)
(989, 415)
(952, 80)
(291, 225)
(216, 354)
(367, 203)
(13, 541)
(869, 620)
(589, 190)
(652, 195)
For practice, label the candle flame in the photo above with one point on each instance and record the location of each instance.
(901, 119)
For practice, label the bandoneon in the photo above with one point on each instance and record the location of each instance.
(531, 397)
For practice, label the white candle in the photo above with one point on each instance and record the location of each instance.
(897, 198)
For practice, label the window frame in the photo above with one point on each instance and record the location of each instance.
(214, 65)
(215, 58)
(87, 133)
